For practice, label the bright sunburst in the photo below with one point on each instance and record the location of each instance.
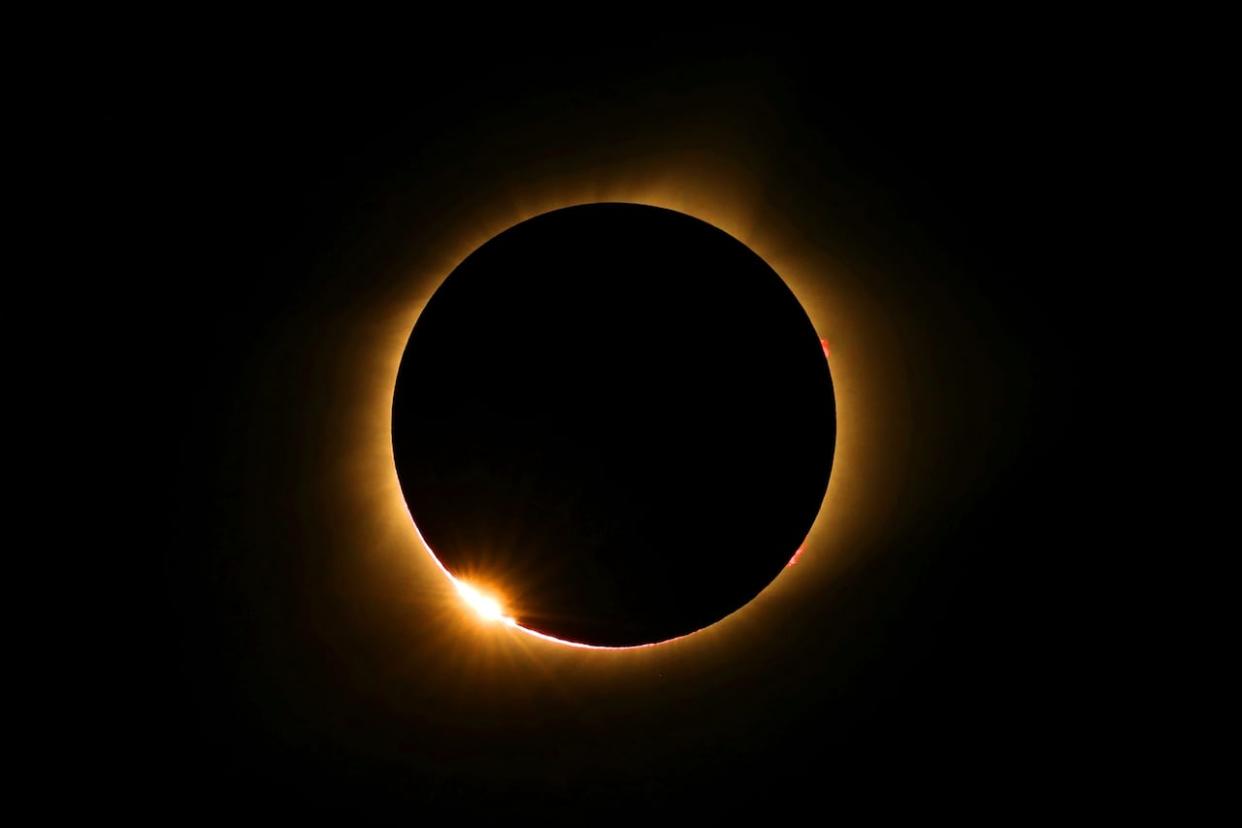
(487, 606)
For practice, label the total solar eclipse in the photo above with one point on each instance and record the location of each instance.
(616, 420)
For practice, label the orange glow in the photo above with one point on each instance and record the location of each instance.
(736, 223)
(836, 297)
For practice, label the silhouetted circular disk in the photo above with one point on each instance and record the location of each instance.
(618, 419)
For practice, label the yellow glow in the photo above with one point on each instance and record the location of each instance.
(487, 606)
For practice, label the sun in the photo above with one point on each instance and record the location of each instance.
(801, 271)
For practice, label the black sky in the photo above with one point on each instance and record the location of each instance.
(280, 195)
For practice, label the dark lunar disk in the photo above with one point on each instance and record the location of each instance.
(618, 419)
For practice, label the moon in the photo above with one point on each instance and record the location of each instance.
(613, 425)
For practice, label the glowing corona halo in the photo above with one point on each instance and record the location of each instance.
(477, 594)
